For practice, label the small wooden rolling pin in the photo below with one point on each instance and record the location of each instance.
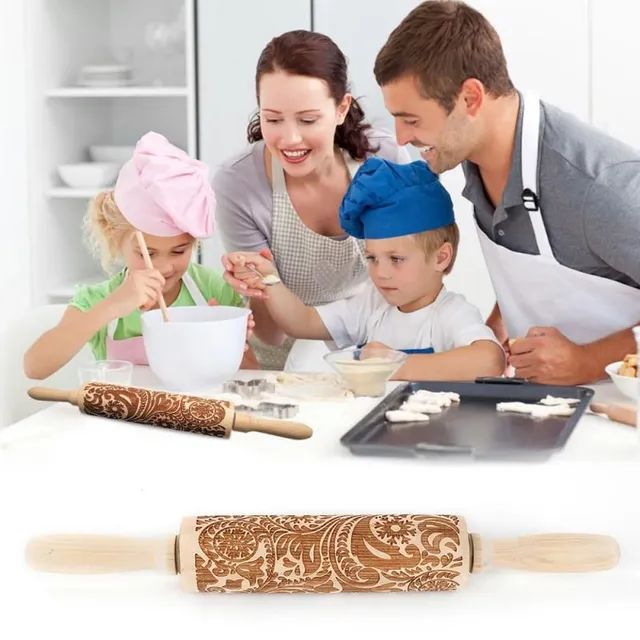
(616, 412)
(169, 410)
(322, 554)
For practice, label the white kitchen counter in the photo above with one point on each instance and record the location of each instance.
(62, 471)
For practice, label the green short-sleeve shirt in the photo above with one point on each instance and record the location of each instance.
(209, 282)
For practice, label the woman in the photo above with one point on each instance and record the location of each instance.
(282, 194)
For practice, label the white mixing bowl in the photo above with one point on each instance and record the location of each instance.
(198, 348)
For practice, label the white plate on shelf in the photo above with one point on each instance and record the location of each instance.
(105, 75)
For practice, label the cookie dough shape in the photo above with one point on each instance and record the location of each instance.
(550, 401)
(405, 416)
(536, 410)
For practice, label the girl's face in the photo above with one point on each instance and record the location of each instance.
(298, 118)
(170, 256)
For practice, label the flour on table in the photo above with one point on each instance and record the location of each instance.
(311, 386)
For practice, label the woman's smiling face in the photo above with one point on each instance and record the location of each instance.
(298, 119)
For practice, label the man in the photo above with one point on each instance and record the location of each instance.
(556, 201)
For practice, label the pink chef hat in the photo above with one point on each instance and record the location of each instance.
(162, 191)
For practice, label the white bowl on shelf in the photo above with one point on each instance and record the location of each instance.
(628, 386)
(105, 75)
(83, 175)
(118, 154)
(199, 348)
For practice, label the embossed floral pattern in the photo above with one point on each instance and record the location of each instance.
(157, 408)
(327, 554)
(394, 529)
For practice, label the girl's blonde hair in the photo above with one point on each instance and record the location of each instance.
(105, 229)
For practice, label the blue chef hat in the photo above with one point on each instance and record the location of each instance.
(387, 200)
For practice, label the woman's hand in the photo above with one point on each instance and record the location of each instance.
(250, 322)
(141, 289)
(245, 281)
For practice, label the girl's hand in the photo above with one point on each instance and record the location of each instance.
(244, 280)
(250, 323)
(141, 289)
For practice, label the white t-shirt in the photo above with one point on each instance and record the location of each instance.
(447, 323)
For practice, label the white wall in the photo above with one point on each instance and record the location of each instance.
(15, 276)
(616, 49)
(231, 36)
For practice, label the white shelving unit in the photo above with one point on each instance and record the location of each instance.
(119, 92)
(63, 37)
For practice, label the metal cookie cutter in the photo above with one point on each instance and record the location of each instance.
(249, 388)
(270, 409)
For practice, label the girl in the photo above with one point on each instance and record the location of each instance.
(165, 194)
(283, 192)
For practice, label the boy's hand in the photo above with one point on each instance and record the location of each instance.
(374, 345)
(141, 289)
(245, 281)
(250, 322)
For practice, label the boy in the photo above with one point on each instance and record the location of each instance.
(406, 218)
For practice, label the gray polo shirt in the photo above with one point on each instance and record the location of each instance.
(589, 190)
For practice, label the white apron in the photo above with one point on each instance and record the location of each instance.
(317, 268)
(536, 290)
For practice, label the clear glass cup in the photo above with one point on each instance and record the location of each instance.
(109, 371)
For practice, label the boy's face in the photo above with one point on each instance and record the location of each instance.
(170, 256)
(400, 270)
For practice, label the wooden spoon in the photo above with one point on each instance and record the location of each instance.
(149, 265)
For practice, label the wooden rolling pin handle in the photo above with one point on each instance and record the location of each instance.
(616, 412)
(283, 428)
(547, 553)
(46, 394)
(90, 554)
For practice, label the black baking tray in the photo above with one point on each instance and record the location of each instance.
(473, 428)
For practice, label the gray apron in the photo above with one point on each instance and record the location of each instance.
(317, 268)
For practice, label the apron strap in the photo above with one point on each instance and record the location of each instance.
(192, 288)
(111, 328)
(529, 162)
(278, 184)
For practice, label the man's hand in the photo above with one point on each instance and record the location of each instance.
(546, 356)
(250, 322)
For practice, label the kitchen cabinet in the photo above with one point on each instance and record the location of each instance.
(66, 117)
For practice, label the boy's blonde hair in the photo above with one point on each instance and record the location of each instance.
(105, 229)
(431, 241)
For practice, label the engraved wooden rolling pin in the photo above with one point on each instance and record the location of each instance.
(322, 554)
(206, 416)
